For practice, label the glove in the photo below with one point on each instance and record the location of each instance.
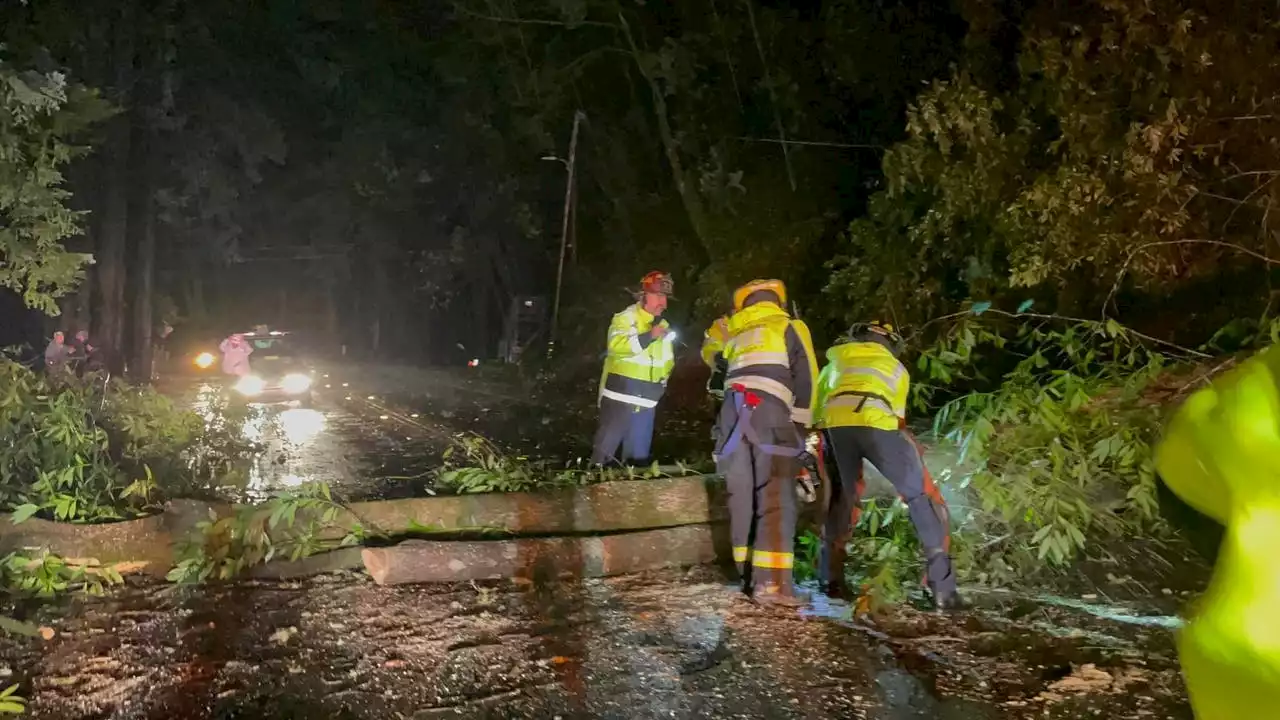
(806, 491)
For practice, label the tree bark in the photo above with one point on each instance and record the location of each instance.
(113, 229)
(423, 561)
(194, 288)
(142, 229)
(144, 286)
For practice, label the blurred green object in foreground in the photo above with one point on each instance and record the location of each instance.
(1221, 455)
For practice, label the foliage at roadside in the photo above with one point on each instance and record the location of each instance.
(1125, 151)
(1054, 420)
(41, 113)
(1059, 438)
(91, 450)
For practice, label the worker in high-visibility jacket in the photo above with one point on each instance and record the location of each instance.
(637, 365)
(768, 405)
(713, 341)
(862, 409)
(1221, 455)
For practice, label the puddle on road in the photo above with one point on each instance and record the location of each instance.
(359, 456)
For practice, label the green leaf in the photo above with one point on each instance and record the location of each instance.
(23, 513)
(1025, 305)
(18, 627)
(980, 307)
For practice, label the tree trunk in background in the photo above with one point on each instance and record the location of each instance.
(142, 210)
(193, 288)
(142, 228)
(82, 181)
(83, 304)
(144, 287)
(113, 228)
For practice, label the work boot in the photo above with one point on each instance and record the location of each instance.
(772, 595)
(836, 590)
(949, 602)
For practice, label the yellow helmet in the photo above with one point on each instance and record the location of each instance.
(774, 286)
(860, 331)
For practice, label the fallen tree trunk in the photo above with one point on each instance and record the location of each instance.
(541, 559)
(145, 544)
(604, 507)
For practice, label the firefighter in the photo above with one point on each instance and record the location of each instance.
(768, 405)
(638, 362)
(713, 354)
(1221, 455)
(862, 401)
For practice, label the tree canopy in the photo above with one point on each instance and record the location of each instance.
(393, 176)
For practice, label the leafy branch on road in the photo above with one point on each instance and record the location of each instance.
(475, 464)
(10, 703)
(1061, 441)
(46, 575)
(291, 525)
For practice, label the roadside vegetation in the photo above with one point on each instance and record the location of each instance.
(90, 449)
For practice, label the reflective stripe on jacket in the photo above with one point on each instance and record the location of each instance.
(636, 367)
(1221, 454)
(769, 352)
(862, 385)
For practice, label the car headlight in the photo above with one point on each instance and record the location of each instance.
(250, 385)
(204, 360)
(295, 383)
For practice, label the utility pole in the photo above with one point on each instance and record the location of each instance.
(578, 117)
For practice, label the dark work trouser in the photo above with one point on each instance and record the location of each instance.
(894, 454)
(762, 494)
(625, 425)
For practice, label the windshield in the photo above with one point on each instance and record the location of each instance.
(272, 365)
(273, 355)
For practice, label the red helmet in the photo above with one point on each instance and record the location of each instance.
(657, 282)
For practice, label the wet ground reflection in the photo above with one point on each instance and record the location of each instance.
(342, 440)
(661, 645)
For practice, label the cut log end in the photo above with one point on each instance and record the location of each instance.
(375, 562)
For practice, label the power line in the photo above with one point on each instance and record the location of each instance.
(814, 143)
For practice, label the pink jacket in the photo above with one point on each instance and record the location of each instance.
(235, 355)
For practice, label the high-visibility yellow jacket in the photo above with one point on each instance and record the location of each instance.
(862, 385)
(769, 352)
(714, 339)
(637, 366)
(1221, 454)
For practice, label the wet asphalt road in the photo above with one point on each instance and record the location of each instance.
(368, 433)
(663, 645)
(377, 432)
